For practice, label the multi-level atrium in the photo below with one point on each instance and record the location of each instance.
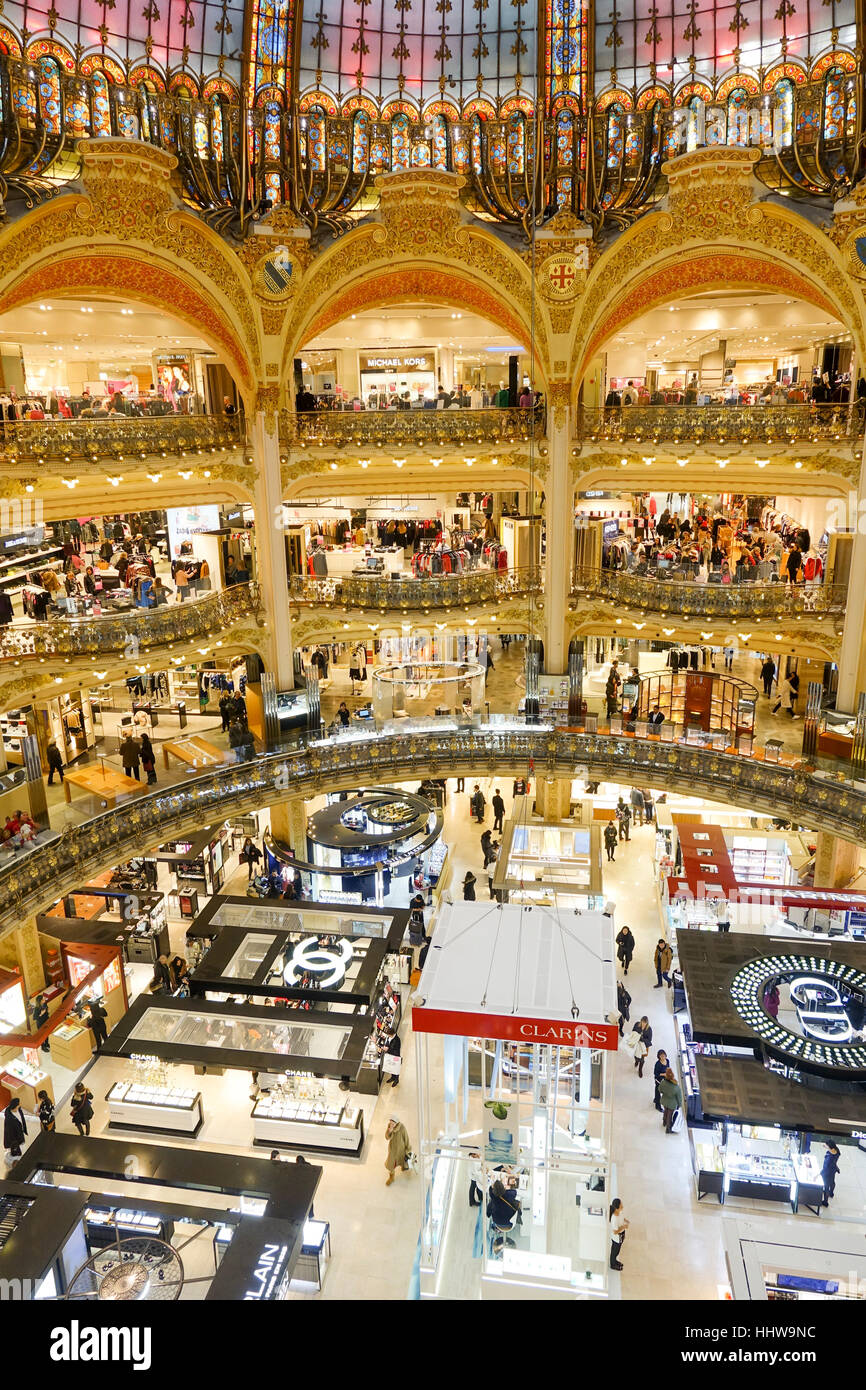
(432, 563)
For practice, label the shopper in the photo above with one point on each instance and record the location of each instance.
(623, 817)
(772, 999)
(477, 1182)
(498, 810)
(130, 756)
(162, 975)
(829, 1169)
(623, 1004)
(55, 762)
(610, 841)
(491, 868)
(618, 1227)
(660, 1066)
(393, 1050)
(486, 842)
(787, 697)
(398, 1148)
(662, 957)
(225, 710)
(237, 739)
(96, 1023)
(45, 1112)
(14, 1128)
(671, 1097)
(41, 1013)
(642, 1036)
(637, 805)
(503, 1208)
(477, 804)
(624, 948)
(469, 887)
(768, 675)
(276, 1156)
(519, 787)
(250, 855)
(82, 1108)
(148, 759)
(343, 714)
(461, 782)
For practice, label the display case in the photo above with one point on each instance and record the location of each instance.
(25, 1079)
(315, 1253)
(711, 709)
(104, 1226)
(164, 1109)
(289, 1122)
(13, 1010)
(760, 1162)
(541, 860)
(71, 1045)
(836, 734)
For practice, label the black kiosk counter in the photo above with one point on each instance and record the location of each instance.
(260, 1240)
(770, 1056)
(305, 1061)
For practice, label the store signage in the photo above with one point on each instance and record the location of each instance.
(819, 1030)
(326, 964)
(399, 362)
(557, 1032)
(268, 1273)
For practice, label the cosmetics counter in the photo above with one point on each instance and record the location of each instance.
(814, 915)
(23, 1077)
(160, 1108)
(198, 867)
(362, 842)
(138, 922)
(539, 861)
(305, 1064)
(256, 1213)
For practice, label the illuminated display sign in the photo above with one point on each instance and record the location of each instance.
(820, 1031)
(327, 965)
(269, 1277)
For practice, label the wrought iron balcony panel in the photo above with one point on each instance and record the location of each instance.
(397, 429)
(119, 438)
(137, 629)
(687, 599)
(428, 592)
(717, 424)
(30, 882)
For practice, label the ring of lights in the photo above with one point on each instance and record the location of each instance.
(747, 993)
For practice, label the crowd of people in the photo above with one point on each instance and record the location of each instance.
(710, 547)
(823, 391)
(462, 397)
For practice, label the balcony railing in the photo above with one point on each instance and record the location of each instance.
(687, 599)
(122, 437)
(430, 591)
(718, 424)
(30, 882)
(398, 429)
(114, 633)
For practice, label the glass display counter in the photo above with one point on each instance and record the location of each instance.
(283, 1121)
(164, 1109)
(761, 1162)
(711, 709)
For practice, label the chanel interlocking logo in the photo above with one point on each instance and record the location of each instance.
(326, 964)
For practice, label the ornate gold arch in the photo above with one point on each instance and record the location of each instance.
(713, 234)
(130, 236)
(423, 246)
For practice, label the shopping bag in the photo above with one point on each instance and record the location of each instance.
(415, 978)
(391, 1065)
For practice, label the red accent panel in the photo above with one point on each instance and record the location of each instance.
(514, 1028)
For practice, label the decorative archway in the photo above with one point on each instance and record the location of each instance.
(130, 236)
(715, 232)
(423, 247)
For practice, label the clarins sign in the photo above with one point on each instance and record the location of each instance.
(556, 1032)
(421, 361)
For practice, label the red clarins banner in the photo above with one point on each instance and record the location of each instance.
(557, 1032)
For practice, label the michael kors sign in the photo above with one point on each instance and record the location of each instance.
(422, 361)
